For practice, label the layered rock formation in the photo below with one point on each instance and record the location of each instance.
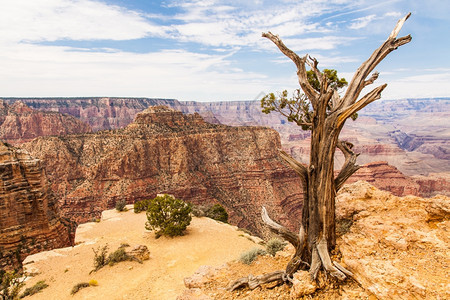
(29, 220)
(19, 123)
(164, 151)
(99, 113)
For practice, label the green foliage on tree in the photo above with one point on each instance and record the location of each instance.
(141, 205)
(168, 216)
(217, 212)
(297, 108)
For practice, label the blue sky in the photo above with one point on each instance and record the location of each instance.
(212, 50)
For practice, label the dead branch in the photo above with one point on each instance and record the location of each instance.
(279, 229)
(349, 167)
(253, 282)
(294, 164)
(358, 81)
(373, 95)
(310, 92)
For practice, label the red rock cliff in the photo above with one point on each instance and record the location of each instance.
(164, 151)
(19, 123)
(29, 220)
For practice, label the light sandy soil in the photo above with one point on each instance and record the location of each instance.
(206, 242)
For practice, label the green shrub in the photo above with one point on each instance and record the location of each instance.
(120, 205)
(141, 205)
(10, 284)
(36, 288)
(199, 210)
(249, 256)
(78, 287)
(217, 212)
(274, 245)
(102, 258)
(168, 216)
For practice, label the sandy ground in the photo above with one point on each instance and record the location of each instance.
(206, 242)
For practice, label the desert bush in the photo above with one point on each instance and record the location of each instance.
(199, 210)
(100, 257)
(119, 255)
(93, 282)
(274, 245)
(141, 205)
(78, 287)
(168, 216)
(120, 205)
(249, 256)
(10, 284)
(217, 212)
(36, 288)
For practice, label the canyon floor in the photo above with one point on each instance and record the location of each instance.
(396, 247)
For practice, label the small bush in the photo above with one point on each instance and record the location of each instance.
(168, 216)
(199, 210)
(120, 205)
(78, 287)
(217, 212)
(117, 256)
(36, 288)
(10, 284)
(93, 282)
(100, 258)
(141, 205)
(274, 245)
(249, 256)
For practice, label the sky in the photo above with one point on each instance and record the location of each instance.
(212, 50)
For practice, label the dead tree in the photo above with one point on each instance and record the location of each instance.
(326, 113)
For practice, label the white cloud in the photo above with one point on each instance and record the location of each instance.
(361, 22)
(51, 20)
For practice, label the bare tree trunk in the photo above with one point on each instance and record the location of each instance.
(317, 237)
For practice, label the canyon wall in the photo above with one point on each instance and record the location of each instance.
(20, 123)
(164, 151)
(29, 220)
(99, 113)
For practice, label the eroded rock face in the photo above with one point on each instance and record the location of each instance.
(29, 220)
(386, 177)
(164, 151)
(19, 123)
(398, 248)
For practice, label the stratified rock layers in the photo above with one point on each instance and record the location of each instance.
(19, 123)
(29, 222)
(164, 151)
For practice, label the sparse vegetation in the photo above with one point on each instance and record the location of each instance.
(168, 216)
(10, 285)
(249, 256)
(121, 205)
(36, 288)
(78, 287)
(101, 257)
(274, 245)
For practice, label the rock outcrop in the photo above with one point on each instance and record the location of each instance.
(164, 151)
(387, 178)
(397, 248)
(20, 123)
(29, 220)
